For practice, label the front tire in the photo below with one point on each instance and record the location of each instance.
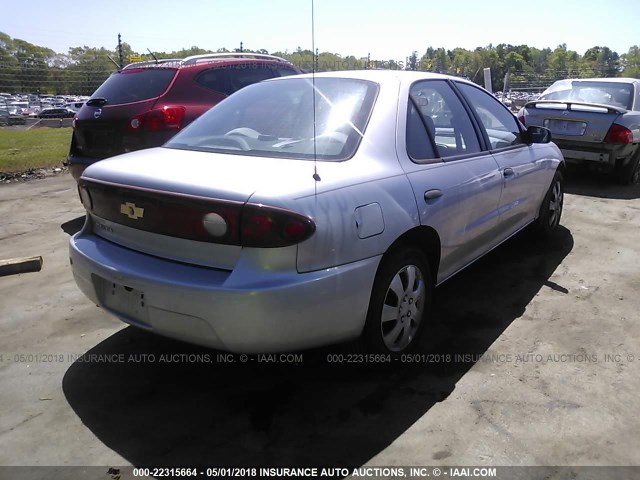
(400, 300)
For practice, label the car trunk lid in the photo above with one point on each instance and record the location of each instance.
(577, 121)
(184, 205)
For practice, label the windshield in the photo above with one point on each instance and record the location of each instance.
(134, 85)
(606, 93)
(276, 119)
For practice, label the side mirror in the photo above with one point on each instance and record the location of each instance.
(536, 134)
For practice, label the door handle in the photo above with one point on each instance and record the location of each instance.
(432, 194)
(508, 172)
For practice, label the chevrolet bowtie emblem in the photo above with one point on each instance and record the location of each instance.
(131, 211)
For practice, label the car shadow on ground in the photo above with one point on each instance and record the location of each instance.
(193, 409)
(581, 181)
(73, 226)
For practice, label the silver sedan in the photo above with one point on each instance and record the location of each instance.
(594, 121)
(311, 210)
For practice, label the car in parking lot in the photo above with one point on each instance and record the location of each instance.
(594, 121)
(146, 103)
(314, 209)
(56, 112)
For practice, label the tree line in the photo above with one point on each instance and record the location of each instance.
(28, 68)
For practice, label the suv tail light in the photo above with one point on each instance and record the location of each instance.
(165, 118)
(619, 134)
(521, 118)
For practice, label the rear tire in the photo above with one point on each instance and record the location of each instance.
(630, 173)
(551, 208)
(400, 302)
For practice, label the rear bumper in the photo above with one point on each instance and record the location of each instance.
(608, 155)
(292, 311)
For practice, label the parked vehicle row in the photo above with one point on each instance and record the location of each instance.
(299, 211)
(61, 112)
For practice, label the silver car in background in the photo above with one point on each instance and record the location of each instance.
(311, 210)
(594, 121)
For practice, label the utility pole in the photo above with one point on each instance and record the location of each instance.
(120, 51)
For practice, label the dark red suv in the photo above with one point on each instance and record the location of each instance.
(145, 104)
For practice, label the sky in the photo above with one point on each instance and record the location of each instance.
(386, 29)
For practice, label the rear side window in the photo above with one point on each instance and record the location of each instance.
(214, 79)
(445, 117)
(229, 79)
(245, 75)
(420, 132)
(134, 85)
(285, 72)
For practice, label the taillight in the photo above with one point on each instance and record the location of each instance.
(165, 118)
(521, 118)
(269, 227)
(619, 134)
(73, 124)
(246, 225)
(85, 197)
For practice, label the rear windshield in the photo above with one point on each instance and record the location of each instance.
(134, 85)
(276, 119)
(615, 94)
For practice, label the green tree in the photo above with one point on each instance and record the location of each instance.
(90, 67)
(8, 65)
(631, 62)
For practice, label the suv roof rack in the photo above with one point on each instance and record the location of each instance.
(149, 63)
(195, 58)
(206, 56)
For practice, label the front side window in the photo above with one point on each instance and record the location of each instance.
(277, 119)
(441, 110)
(500, 125)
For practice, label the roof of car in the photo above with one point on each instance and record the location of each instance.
(603, 79)
(379, 76)
(234, 57)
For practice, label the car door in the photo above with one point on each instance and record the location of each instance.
(457, 185)
(523, 171)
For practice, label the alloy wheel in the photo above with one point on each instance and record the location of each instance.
(403, 308)
(555, 204)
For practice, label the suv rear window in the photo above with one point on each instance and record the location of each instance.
(134, 85)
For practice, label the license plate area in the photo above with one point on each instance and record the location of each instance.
(566, 127)
(126, 302)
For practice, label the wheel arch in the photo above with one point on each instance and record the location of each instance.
(427, 240)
